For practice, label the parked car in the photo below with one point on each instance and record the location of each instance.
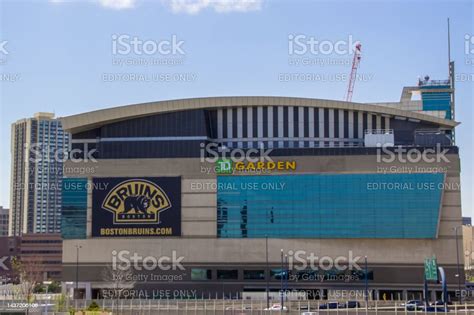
(408, 302)
(413, 305)
(434, 309)
(351, 304)
(439, 302)
(276, 307)
(329, 305)
(304, 308)
(238, 308)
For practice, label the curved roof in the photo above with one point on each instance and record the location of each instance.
(94, 119)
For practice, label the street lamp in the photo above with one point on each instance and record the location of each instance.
(46, 283)
(287, 275)
(366, 284)
(281, 279)
(457, 258)
(77, 269)
(267, 271)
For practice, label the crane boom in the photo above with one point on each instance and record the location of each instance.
(352, 78)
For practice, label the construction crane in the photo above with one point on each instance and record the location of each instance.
(355, 65)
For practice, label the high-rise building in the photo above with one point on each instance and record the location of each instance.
(4, 215)
(38, 145)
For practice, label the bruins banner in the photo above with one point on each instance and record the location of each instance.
(136, 207)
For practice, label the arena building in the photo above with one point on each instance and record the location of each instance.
(226, 196)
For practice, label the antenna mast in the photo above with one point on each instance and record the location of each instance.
(449, 45)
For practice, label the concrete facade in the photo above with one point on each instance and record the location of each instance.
(200, 246)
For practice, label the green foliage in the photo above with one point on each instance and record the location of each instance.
(61, 303)
(38, 288)
(93, 306)
(54, 287)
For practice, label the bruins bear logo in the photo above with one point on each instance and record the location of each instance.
(136, 201)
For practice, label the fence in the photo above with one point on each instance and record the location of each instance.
(230, 307)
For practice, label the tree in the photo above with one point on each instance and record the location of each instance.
(28, 274)
(119, 278)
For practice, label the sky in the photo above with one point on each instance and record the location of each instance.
(67, 57)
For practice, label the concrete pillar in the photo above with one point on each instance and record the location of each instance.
(87, 286)
(405, 295)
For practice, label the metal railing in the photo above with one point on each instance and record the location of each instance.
(216, 306)
(378, 131)
(433, 82)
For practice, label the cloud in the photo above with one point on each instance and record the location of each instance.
(181, 6)
(219, 6)
(118, 4)
(108, 4)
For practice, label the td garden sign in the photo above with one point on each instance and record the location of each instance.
(141, 207)
(226, 166)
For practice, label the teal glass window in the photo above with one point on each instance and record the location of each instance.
(254, 274)
(329, 206)
(227, 274)
(201, 274)
(74, 208)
